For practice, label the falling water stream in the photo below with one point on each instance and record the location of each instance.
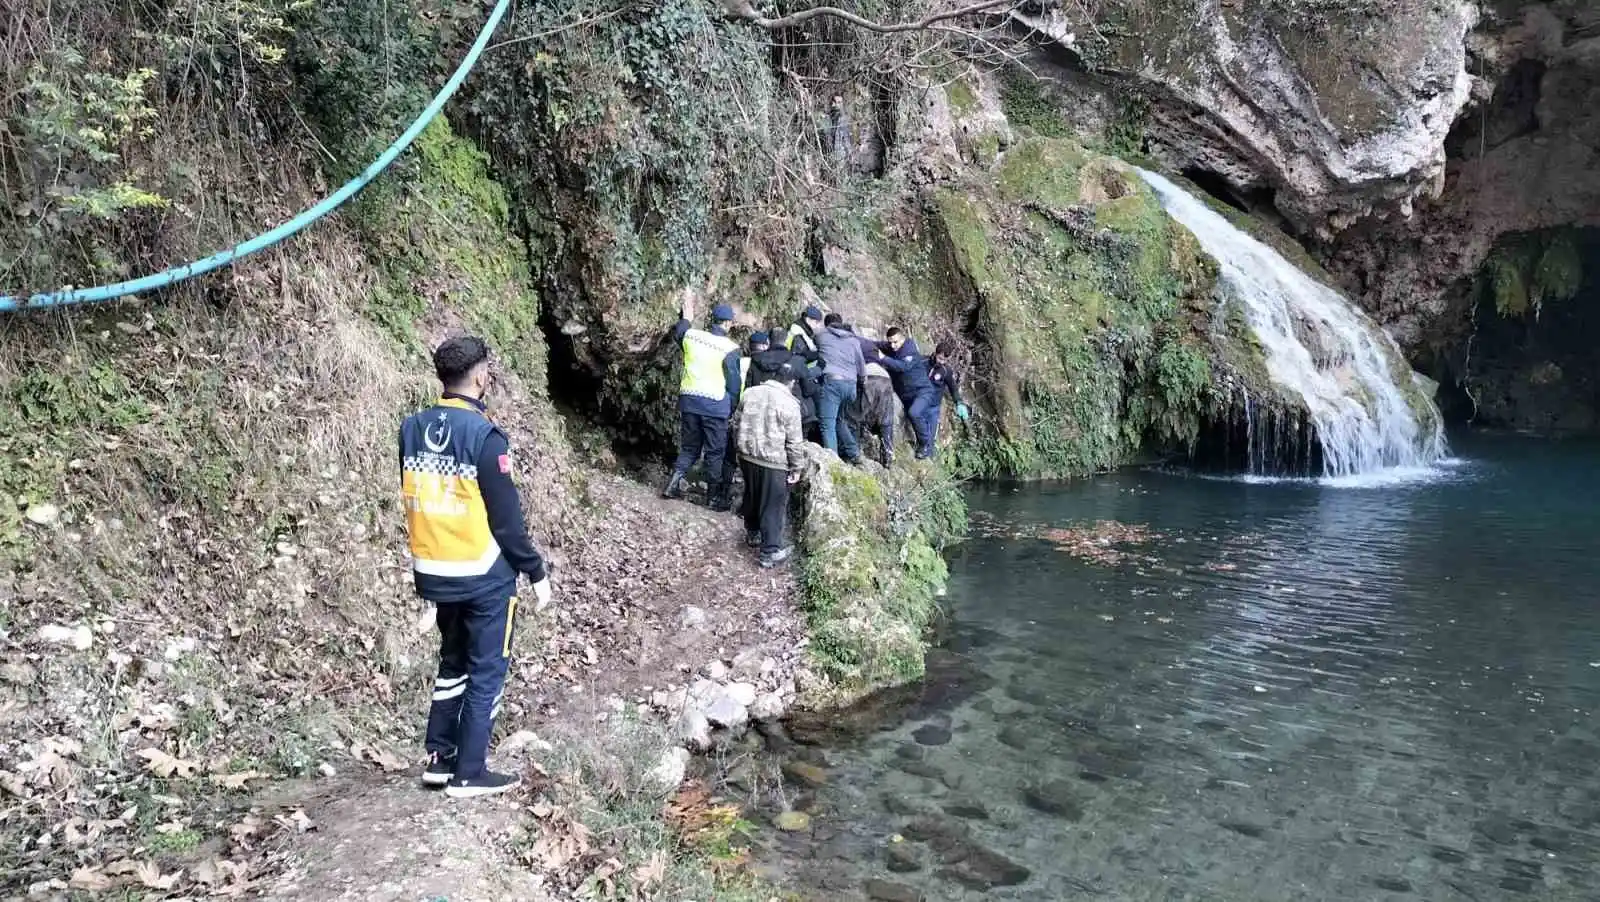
(1367, 412)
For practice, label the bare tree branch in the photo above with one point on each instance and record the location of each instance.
(743, 9)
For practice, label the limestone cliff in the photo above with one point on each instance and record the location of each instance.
(1332, 110)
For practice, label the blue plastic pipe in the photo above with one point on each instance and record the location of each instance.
(265, 240)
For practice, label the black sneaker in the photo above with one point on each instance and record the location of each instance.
(769, 561)
(439, 770)
(752, 538)
(487, 784)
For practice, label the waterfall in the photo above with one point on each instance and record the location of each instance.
(1319, 348)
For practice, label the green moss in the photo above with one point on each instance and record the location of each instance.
(961, 96)
(1559, 273)
(1082, 292)
(1043, 171)
(1027, 105)
(440, 226)
(873, 569)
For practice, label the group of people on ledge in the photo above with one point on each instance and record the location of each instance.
(818, 381)
(468, 541)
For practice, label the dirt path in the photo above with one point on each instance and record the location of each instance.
(620, 626)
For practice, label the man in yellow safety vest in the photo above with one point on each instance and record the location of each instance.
(468, 546)
(707, 397)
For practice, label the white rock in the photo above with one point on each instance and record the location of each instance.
(726, 711)
(693, 729)
(669, 772)
(670, 700)
(715, 670)
(747, 664)
(525, 739)
(703, 691)
(768, 707)
(43, 514)
(743, 693)
(692, 617)
(179, 647)
(79, 637)
(327, 770)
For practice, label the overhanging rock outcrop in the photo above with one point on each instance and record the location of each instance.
(1337, 110)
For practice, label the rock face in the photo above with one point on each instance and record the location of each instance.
(1336, 108)
(1524, 168)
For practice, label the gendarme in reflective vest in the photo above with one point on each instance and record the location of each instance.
(703, 354)
(798, 332)
(454, 555)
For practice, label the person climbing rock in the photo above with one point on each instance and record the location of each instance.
(875, 408)
(759, 342)
(772, 458)
(844, 377)
(707, 397)
(914, 382)
(908, 371)
(468, 545)
(801, 337)
(945, 382)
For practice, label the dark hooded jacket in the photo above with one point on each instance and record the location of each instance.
(770, 364)
(908, 369)
(776, 362)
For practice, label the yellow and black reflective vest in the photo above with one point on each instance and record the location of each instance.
(798, 332)
(454, 554)
(703, 355)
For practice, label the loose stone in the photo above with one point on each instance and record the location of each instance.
(889, 891)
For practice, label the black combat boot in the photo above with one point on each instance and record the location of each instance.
(675, 486)
(719, 498)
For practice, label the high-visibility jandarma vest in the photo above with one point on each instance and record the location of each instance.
(703, 353)
(454, 555)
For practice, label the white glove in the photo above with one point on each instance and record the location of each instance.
(427, 616)
(541, 595)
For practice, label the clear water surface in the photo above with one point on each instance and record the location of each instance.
(1298, 691)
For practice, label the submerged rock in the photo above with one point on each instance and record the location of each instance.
(1015, 736)
(1054, 797)
(905, 807)
(910, 751)
(889, 891)
(931, 734)
(902, 858)
(967, 809)
(1393, 884)
(1246, 828)
(792, 822)
(805, 774)
(979, 868)
(920, 769)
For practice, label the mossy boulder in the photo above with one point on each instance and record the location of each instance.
(872, 569)
(1087, 306)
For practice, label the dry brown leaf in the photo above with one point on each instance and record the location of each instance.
(384, 758)
(121, 867)
(149, 874)
(651, 872)
(237, 781)
(164, 765)
(245, 829)
(295, 820)
(90, 880)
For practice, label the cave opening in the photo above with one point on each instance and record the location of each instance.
(1257, 200)
(1513, 111)
(1529, 363)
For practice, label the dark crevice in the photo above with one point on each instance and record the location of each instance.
(1511, 113)
(1259, 201)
